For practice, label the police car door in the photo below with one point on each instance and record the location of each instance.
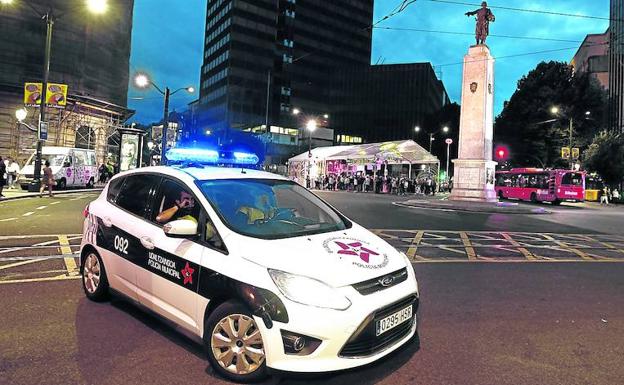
(120, 231)
(168, 280)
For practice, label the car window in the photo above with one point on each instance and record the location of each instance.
(79, 158)
(174, 201)
(270, 209)
(113, 189)
(134, 195)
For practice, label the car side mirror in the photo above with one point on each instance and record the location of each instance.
(66, 164)
(180, 228)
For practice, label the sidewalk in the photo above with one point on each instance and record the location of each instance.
(442, 203)
(12, 194)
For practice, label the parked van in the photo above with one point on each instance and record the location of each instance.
(70, 167)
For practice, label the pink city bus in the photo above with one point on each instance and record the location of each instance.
(539, 185)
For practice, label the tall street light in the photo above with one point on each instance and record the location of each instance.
(311, 126)
(93, 6)
(143, 81)
(565, 114)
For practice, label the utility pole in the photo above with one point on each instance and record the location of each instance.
(34, 186)
(571, 161)
(266, 117)
(163, 144)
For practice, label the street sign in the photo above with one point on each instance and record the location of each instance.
(449, 141)
(565, 152)
(43, 130)
(575, 152)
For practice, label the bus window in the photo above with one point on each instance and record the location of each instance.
(572, 178)
(500, 180)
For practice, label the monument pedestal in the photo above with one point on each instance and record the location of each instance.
(473, 179)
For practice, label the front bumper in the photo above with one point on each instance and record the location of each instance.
(346, 336)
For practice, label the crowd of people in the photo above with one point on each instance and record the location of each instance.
(397, 185)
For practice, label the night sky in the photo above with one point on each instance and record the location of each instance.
(167, 42)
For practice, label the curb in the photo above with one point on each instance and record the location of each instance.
(473, 207)
(58, 192)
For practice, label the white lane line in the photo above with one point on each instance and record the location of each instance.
(10, 265)
(55, 203)
(7, 219)
(5, 237)
(41, 207)
(28, 214)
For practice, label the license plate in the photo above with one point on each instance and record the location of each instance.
(393, 320)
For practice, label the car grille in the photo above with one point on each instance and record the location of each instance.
(375, 284)
(365, 343)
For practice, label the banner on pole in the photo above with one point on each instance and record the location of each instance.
(56, 96)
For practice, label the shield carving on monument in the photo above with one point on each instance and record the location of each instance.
(473, 87)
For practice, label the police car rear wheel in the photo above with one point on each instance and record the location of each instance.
(94, 280)
(234, 343)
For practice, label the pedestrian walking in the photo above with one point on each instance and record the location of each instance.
(13, 171)
(47, 180)
(604, 198)
(3, 176)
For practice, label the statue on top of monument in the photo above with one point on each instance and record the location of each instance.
(484, 17)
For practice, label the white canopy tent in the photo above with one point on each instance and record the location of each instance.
(372, 156)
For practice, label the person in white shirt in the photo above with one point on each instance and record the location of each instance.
(13, 171)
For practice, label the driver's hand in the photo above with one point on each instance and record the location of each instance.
(183, 203)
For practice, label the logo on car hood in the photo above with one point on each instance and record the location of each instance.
(363, 255)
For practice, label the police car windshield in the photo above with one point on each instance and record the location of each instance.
(270, 209)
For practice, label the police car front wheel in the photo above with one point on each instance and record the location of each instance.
(94, 280)
(234, 343)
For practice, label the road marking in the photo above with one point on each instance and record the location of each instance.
(575, 251)
(7, 219)
(41, 207)
(411, 252)
(70, 262)
(527, 254)
(469, 249)
(62, 277)
(28, 214)
(10, 265)
(7, 237)
(55, 203)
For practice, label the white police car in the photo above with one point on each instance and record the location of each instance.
(265, 272)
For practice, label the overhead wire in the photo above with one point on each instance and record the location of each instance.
(525, 10)
(472, 34)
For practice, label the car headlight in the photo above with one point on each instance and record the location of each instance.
(309, 291)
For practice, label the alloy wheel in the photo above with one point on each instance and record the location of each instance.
(237, 345)
(91, 273)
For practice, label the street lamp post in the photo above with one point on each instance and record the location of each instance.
(555, 111)
(94, 6)
(143, 81)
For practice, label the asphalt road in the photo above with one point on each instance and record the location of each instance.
(481, 323)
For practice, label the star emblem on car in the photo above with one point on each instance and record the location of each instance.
(187, 273)
(356, 248)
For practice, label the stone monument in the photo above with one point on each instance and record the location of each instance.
(474, 169)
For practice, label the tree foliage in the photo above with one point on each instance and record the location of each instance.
(520, 125)
(605, 155)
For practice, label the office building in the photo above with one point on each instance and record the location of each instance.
(263, 58)
(593, 57)
(384, 102)
(616, 66)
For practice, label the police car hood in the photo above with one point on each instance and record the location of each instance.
(337, 258)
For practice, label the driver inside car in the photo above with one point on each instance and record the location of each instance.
(262, 210)
(182, 208)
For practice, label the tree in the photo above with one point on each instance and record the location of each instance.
(521, 125)
(605, 155)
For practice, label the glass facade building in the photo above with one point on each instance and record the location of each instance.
(267, 57)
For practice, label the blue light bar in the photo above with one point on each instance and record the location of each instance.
(245, 158)
(192, 155)
(200, 155)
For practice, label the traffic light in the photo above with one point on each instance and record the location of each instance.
(501, 153)
(565, 152)
(575, 152)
